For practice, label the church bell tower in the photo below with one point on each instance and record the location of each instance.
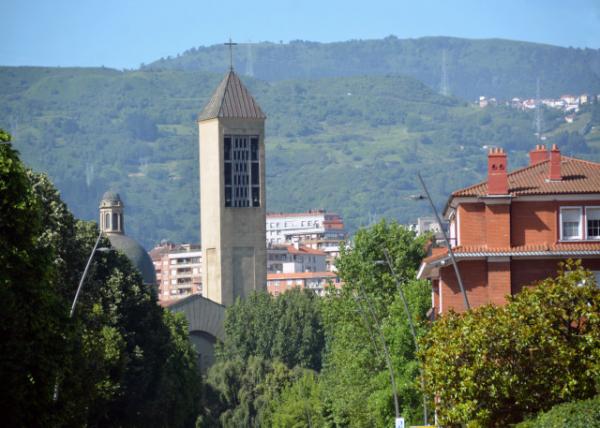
(232, 193)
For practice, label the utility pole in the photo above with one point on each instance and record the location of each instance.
(413, 331)
(450, 252)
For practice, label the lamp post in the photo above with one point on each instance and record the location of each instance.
(85, 271)
(411, 325)
(79, 287)
(385, 348)
(450, 252)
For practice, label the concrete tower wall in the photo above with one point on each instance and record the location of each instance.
(233, 238)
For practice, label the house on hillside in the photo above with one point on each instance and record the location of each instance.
(514, 228)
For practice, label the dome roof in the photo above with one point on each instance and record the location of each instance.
(136, 254)
(112, 197)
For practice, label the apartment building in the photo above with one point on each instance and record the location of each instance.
(278, 283)
(178, 270)
(292, 258)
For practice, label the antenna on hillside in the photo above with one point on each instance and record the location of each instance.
(444, 88)
(538, 111)
(249, 60)
(89, 174)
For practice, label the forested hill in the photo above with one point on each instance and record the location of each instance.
(493, 67)
(351, 144)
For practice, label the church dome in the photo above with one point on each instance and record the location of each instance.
(111, 198)
(136, 254)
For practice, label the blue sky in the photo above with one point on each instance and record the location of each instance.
(125, 33)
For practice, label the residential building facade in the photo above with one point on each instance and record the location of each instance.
(514, 228)
(292, 258)
(317, 282)
(178, 270)
(317, 229)
(312, 225)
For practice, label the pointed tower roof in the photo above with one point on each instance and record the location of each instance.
(232, 100)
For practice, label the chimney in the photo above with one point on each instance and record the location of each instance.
(497, 178)
(540, 154)
(555, 160)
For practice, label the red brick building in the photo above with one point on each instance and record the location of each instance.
(514, 228)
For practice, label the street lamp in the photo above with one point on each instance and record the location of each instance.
(385, 348)
(410, 324)
(450, 252)
(85, 271)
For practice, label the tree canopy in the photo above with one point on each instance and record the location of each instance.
(494, 366)
(120, 361)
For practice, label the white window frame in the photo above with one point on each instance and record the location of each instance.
(585, 226)
(580, 236)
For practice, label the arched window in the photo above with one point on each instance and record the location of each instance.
(115, 222)
(107, 221)
(121, 225)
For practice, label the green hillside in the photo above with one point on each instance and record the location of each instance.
(349, 144)
(493, 67)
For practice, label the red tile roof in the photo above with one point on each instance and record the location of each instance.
(579, 247)
(578, 176)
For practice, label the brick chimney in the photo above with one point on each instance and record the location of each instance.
(555, 160)
(539, 154)
(497, 178)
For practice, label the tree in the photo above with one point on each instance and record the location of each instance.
(494, 366)
(287, 328)
(244, 391)
(121, 360)
(33, 317)
(356, 379)
(299, 404)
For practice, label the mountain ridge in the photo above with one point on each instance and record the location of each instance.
(491, 67)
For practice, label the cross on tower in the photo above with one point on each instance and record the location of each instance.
(231, 45)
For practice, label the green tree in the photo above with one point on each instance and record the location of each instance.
(494, 366)
(287, 328)
(33, 317)
(355, 379)
(120, 361)
(244, 390)
(299, 404)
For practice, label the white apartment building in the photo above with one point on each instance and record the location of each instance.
(298, 227)
(178, 270)
(294, 258)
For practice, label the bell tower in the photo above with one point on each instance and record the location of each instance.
(111, 213)
(232, 193)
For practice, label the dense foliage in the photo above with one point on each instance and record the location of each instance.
(269, 341)
(286, 328)
(33, 318)
(578, 414)
(242, 393)
(334, 143)
(120, 361)
(299, 360)
(495, 366)
(356, 379)
(493, 67)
